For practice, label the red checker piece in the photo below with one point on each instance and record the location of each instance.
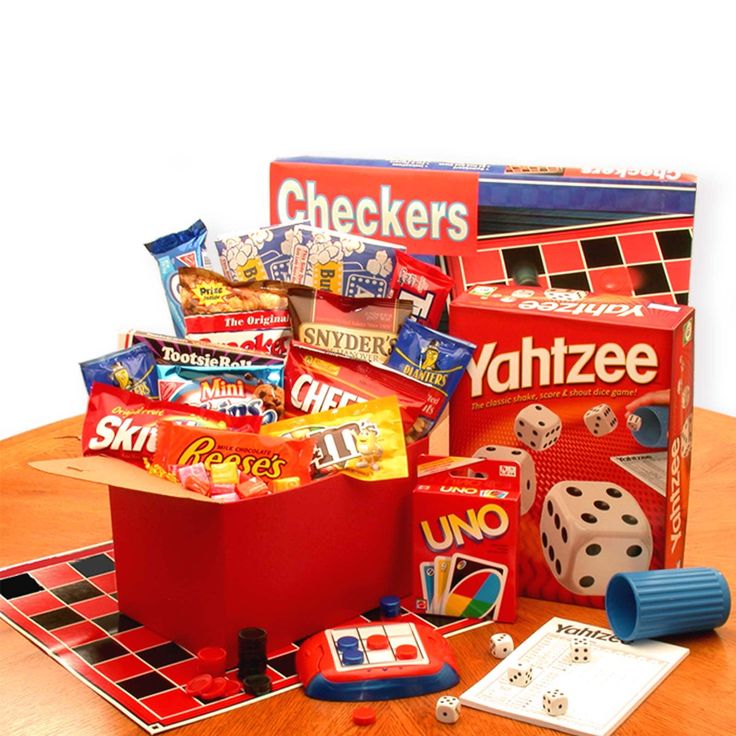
(233, 687)
(406, 651)
(212, 660)
(364, 715)
(217, 689)
(199, 684)
(377, 641)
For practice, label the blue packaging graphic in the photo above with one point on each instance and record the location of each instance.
(257, 389)
(132, 369)
(431, 357)
(183, 248)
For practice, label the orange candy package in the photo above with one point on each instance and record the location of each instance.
(270, 459)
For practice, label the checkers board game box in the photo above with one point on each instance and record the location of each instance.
(626, 231)
(196, 571)
(465, 530)
(592, 395)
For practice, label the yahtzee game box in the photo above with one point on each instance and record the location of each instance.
(596, 393)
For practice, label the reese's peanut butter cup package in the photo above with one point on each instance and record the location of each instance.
(252, 315)
(122, 424)
(434, 358)
(265, 457)
(364, 329)
(363, 440)
(315, 380)
(424, 285)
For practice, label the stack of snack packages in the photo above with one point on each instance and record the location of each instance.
(298, 353)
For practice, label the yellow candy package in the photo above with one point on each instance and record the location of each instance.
(364, 440)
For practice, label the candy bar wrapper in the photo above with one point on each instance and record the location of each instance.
(185, 248)
(168, 350)
(122, 424)
(424, 285)
(255, 390)
(364, 329)
(264, 457)
(434, 358)
(363, 440)
(343, 264)
(261, 254)
(252, 316)
(315, 380)
(132, 369)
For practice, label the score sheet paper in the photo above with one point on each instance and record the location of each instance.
(602, 693)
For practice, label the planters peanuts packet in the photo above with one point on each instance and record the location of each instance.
(132, 369)
(185, 248)
(432, 357)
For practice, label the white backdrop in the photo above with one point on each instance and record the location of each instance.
(123, 123)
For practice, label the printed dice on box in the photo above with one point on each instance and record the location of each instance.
(590, 531)
(600, 420)
(447, 709)
(580, 650)
(501, 645)
(528, 480)
(519, 674)
(537, 426)
(554, 703)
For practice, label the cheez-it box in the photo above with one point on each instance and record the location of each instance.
(465, 528)
(592, 394)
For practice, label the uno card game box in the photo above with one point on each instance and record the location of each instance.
(593, 393)
(465, 528)
(604, 229)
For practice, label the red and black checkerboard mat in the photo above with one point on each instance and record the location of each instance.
(67, 605)
(646, 258)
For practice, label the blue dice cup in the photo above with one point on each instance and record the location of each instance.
(643, 605)
(654, 423)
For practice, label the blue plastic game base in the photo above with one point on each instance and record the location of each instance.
(389, 689)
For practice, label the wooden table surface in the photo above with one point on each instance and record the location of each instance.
(42, 514)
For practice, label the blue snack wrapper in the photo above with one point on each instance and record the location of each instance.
(431, 357)
(257, 389)
(185, 248)
(132, 369)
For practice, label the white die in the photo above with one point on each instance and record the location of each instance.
(554, 703)
(528, 480)
(447, 709)
(590, 531)
(501, 645)
(600, 420)
(537, 426)
(580, 650)
(633, 422)
(519, 674)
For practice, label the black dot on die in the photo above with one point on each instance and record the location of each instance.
(588, 518)
(521, 423)
(514, 452)
(574, 491)
(528, 484)
(544, 539)
(629, 519)
(535, 433)
(558, 567)
(601, 505)
(551, 553)
(634, 551)
(533, 443)
(564, 534)
(541, 423)
(550, 508)
(586, 581)
(518, 434)
(593, 550)
(614, 492)
(557, 521)
(538, 407)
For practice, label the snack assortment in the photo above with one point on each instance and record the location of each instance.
(230, 408)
